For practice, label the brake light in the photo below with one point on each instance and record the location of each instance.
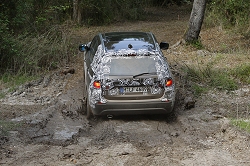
(169, 82)
(97, 84)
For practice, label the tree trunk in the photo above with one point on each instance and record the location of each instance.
(75, 10)
(79, 15)
(196, 19)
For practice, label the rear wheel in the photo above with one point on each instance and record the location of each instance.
(89, 113)
(84, 104)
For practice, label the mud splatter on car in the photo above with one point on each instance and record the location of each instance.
(127, 73)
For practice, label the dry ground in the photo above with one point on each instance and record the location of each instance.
(47, 127)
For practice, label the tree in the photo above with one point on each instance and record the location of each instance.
(195, 22)
(77, 11)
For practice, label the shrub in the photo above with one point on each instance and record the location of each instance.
(215, 78)
(34, 54)
(242, 124)
(222, 80)
(8, 46)
(232, 11)
(6, 126)
(242, 72)
(107, 11)
(229, 13)
(198, 89)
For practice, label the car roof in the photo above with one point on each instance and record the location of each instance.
(132, 40)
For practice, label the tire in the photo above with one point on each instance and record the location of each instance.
(84, 107)
(89, 113)
(84, 104)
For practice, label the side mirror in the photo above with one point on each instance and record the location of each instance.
(164, 45)
(83, 47)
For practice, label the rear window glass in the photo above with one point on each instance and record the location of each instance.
(132, 66)
(125, 44)
(135, 41)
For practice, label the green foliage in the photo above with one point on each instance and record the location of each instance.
(229, 12)
(107, 11)
(234, 11)
(7, 46)
(34, 54)
(34, 16)
(219, 79)
(16, 80)
(199, 89)
(6, 126)
(52, 14)
(242, 124)
(2, 95)
(22, 26)
(199, 74)
(97, 12)
(196, 44)
(167, 2)
(242, 72)
(40, 51)
(32, 39)
(11, 82)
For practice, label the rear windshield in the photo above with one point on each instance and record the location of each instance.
(125, 44)
(133, 41)
(132, 66)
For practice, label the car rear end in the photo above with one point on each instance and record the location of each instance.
(134, 85)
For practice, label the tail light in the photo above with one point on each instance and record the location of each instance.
(97, 84)
(169, 82)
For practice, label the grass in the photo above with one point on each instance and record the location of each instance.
(199, 89)
(197, 44)
(221, 71)
(242, 124)
(217, 71)
(6, 126)
(11, 82)
(2, 95)
(242, 72)
(41, 52)
(242, 121)
(210, 77)
(17, 79)
(222, 81)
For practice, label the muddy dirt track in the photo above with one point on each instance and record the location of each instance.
(47, 126)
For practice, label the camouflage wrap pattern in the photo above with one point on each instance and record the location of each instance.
(101, 68)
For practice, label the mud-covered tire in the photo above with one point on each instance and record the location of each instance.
(89, 113)
(84, 103)
(84, 107)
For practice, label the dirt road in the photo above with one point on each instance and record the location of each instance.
(47, 127)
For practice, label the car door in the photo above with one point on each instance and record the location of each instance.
(89, 56)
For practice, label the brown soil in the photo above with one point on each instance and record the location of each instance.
(46, 125)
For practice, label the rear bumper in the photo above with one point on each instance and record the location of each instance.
(130, 108)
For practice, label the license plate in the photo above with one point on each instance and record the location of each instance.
(133, 89)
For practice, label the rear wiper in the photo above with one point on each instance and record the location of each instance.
(137, 75)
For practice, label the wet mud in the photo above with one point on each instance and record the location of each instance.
(58, 133)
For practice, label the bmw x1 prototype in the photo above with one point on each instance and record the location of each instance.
(126, 73)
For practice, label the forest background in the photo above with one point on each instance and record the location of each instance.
(34, 34)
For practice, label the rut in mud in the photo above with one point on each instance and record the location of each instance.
(47, 125)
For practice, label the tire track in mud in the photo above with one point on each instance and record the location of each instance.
(55, 125)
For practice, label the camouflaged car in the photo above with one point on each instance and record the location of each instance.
(126, 73)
